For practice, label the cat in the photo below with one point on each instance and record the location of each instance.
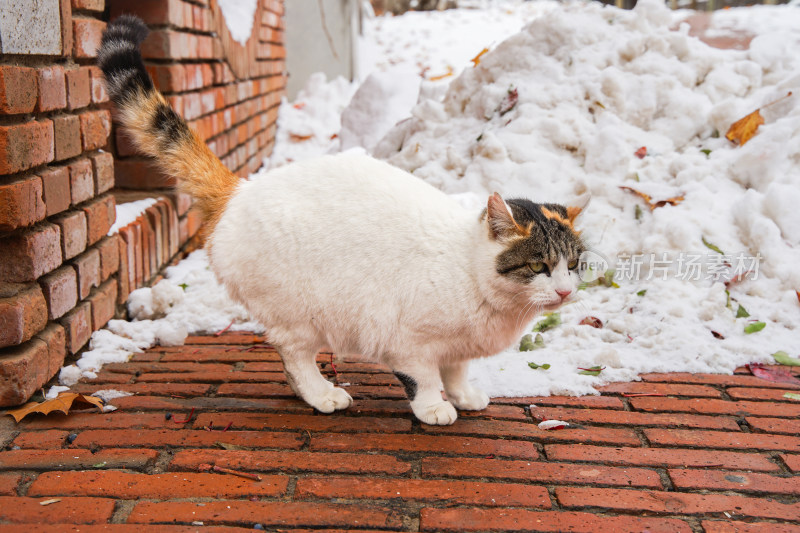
(349, 253)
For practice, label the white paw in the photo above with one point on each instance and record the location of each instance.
(471, 399)
(437, 414)
(334, 399)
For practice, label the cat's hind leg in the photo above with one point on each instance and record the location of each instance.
(459, 391)
(422, 385)
(300, 366)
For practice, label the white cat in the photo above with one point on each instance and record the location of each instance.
(351, 254)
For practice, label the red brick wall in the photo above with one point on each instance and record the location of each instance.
(64, 165)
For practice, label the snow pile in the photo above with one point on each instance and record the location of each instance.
(239, 16)
(561, 109)
(188, 300)
(128, 212)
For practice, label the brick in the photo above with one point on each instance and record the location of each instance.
(140, 174)
(68, 511)
(103, 166)
(659, 457)
(60, 289)
(23, 370)
(722, 439)
(78, 326)
(449, 492)
(104, 303)
(666, 389)
(634, 418)
(691, 479)
(95, 129)
(538, 472)
(23, 146)
(675, 503)
(73, 232)
(87, 267)
(98, 86)
(792, 461)
(81, 181)
(41, 440)
(86, 34)
(55, 189)
(466, 519)
(30, 253)
(93, 420)
(100, 216)
(21, 203)
(718, 407)
(52, 88)
(131, 486)
(169, 78)
(424, 444)
(268, 513)
(595, 402)
(67, 136)
(187, 438)
(23, 313)
(726, 526)
(774, 425)
(501, 428)
(264, 461)
(712, 379)
(8, 484)
(18, 89)
(108, 248)
(48, 460)
(89, 5)
(313, 423)
(745, 393)
(54, 337)
(79, 93)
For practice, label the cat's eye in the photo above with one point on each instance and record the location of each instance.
(572, 265)
(536, 266)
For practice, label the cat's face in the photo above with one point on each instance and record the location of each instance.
(541, 251)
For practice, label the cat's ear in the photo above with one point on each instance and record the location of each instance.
(577, 207)
(501, 222)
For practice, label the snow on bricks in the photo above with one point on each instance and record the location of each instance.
(373, 467)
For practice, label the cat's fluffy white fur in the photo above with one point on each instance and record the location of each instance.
(350, 253)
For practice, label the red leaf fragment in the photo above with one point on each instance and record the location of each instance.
(774, 374)
(641, 152)
(717, 335)
(509, 101)
(591, 321)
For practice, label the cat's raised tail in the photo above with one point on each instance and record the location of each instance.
(156, 129)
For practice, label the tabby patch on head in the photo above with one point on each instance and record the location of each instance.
(537, 237)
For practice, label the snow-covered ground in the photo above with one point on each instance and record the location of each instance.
(585, 98)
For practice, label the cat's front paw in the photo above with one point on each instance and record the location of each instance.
(471, 399)
(334, 399)
(437, 414)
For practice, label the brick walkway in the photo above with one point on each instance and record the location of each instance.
(715, 454)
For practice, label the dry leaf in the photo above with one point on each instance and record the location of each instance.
(477, 59)
(641, 152)
(295, 138)
(442, 76)
(62, 403)
(508, 103)
(652, 205)
(743, 129)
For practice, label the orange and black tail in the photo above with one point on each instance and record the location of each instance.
(156, 129)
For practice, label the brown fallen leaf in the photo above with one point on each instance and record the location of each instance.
(62, 403)
(477, 59)
(649, 201)
(743, 129)
(641, 152)
(591, 321)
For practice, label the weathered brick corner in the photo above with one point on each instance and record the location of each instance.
(64, 165)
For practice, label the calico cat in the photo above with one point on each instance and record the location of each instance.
(350, 253)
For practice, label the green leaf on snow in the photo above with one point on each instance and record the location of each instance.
(785, 359)
(753, 327)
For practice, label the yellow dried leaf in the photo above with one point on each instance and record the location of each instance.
(477, 59)
(675, 200)
(743, 129)
(62, 403)
(442, 76)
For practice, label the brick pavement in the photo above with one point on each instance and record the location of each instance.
(713, 454)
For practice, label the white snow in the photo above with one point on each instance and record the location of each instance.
(128, 212)
(594, 84)
(239, 16)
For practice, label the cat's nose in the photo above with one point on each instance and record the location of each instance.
(563, 293)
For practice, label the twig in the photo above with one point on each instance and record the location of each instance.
(335, 373)
(221, 470)
(188, 419)
(325, 29)
(223, 330)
